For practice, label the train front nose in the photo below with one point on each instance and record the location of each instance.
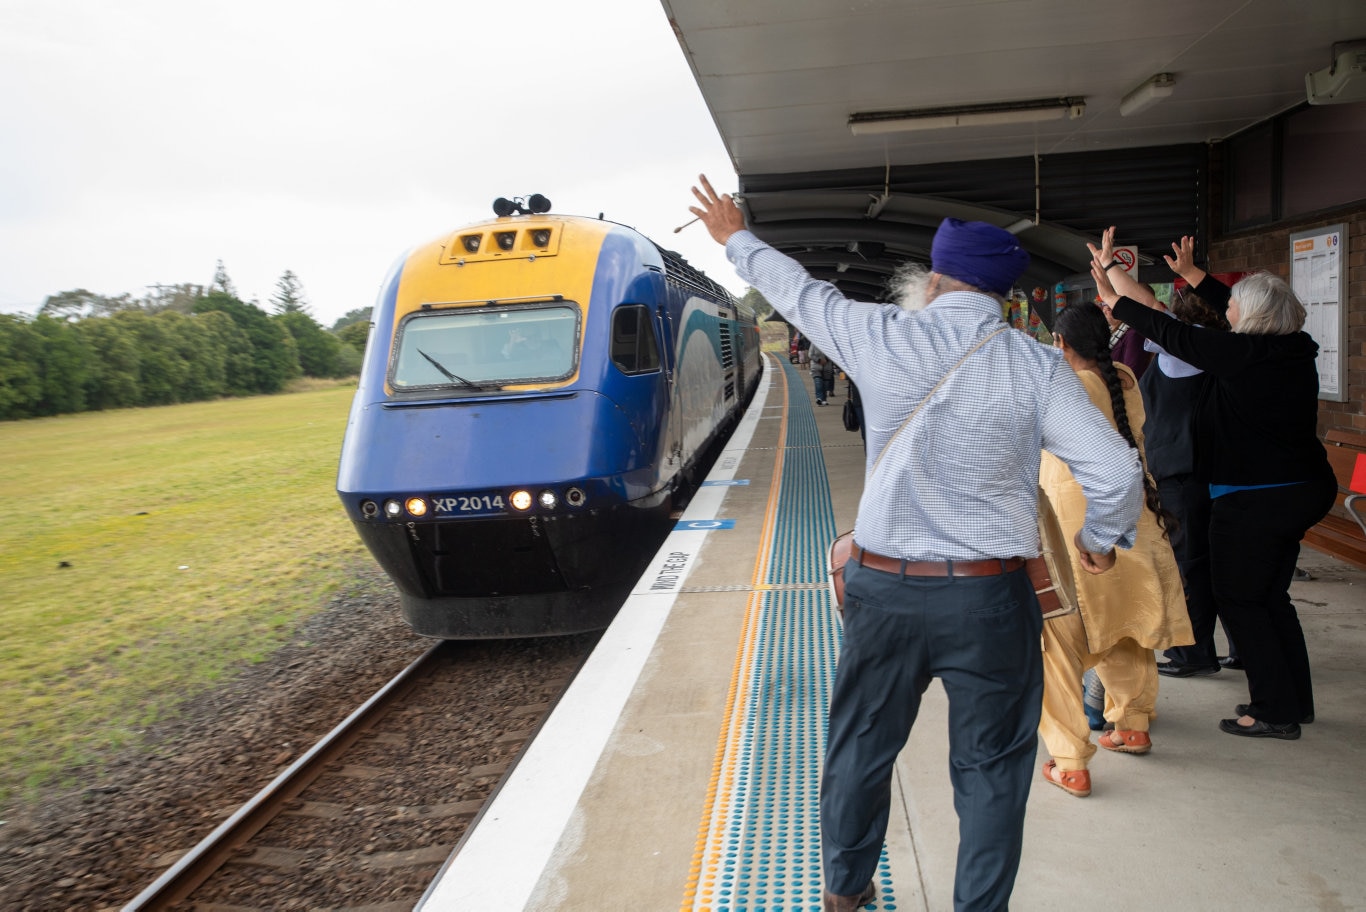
(565, 508)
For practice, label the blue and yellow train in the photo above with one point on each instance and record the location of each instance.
(537, 391)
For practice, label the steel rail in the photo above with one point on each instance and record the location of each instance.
(214, 850)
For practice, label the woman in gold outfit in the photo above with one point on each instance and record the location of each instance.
(1123, 615)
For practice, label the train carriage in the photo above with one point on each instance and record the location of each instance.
(537, 391)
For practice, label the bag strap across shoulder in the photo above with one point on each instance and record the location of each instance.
(942, 380)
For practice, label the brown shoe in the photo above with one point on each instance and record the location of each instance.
(1073, 782)
(833, 902)
(1126, 741)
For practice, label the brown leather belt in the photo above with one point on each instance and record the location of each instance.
(993, 567)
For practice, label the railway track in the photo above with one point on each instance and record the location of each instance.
(366, 817)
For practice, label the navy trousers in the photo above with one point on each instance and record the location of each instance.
(980, 637)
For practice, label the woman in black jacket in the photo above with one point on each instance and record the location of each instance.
(1256, 441)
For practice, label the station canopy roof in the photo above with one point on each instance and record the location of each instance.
(835, 116)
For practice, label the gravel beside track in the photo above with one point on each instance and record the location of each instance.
(98, 844)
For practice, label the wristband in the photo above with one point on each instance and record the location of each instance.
(1112, 263)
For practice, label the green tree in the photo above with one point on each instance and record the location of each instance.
(757, 303)
(162, 372)
(205, 361)
(274, 354)
(179, 298)
(230, 342)
(319, 350)
(63, 366)
(355, 335)
(289, 297)
(115, 364)
(221, 282)
(79, 303)
(359, 315)
(21, 382)
(348, 361)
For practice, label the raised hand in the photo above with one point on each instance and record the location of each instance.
(1183, 264)
(1105, 253)
(1112, 283)
(719, 214)
(1107, 245)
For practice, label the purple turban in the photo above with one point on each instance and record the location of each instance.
(978, 254)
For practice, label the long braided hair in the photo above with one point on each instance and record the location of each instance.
(1084, 329)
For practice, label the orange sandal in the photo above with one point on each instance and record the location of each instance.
(1073, 782)
(1126, 741)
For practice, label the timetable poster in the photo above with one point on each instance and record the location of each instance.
(1317, 277)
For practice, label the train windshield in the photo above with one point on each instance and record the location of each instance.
(486, 349)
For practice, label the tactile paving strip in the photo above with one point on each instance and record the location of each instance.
(759, 840)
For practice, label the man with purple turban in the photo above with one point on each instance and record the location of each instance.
(956, 411)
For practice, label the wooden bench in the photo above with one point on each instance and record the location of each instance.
(1342, 533)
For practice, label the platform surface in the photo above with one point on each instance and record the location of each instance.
(681, 768)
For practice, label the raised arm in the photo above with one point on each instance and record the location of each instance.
(1183, 264)
(1120, 280)
(1214, 292)
(814, 307)
(1105, 289)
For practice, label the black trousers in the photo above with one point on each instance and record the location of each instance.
(1254, 543)
(1188, 499)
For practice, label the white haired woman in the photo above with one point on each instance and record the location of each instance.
(1256, 441)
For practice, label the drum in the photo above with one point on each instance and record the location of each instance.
(1051, 571)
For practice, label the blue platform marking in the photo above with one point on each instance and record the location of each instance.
(704, 525)
(763, 841)
(725, 482)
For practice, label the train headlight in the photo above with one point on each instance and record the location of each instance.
(575, 497)
(471, 243)
(548, 500)
(369, 509)
(416, 506)
(506, 239)
(392, 509)
(540, 237)
(521, 500)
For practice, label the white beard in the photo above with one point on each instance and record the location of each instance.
(909, 286)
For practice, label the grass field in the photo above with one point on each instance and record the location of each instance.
(150, 550)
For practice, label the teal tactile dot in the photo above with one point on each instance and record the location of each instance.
(772, 834)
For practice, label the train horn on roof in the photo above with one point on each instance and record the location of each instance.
(533, 204)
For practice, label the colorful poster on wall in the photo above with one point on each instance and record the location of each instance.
(1319, 280)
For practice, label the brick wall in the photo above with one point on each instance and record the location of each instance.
(1269, 249)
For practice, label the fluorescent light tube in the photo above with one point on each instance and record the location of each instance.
(1147, 95)
(864, 124)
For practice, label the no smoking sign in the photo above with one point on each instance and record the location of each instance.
(1127, 258)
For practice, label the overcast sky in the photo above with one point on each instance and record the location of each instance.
(141, 141)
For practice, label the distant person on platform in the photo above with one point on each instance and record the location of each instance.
(936, 586)
(822, 375)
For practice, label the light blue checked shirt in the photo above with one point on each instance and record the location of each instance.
(961, 482)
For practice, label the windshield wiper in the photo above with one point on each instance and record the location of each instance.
(470, 384)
